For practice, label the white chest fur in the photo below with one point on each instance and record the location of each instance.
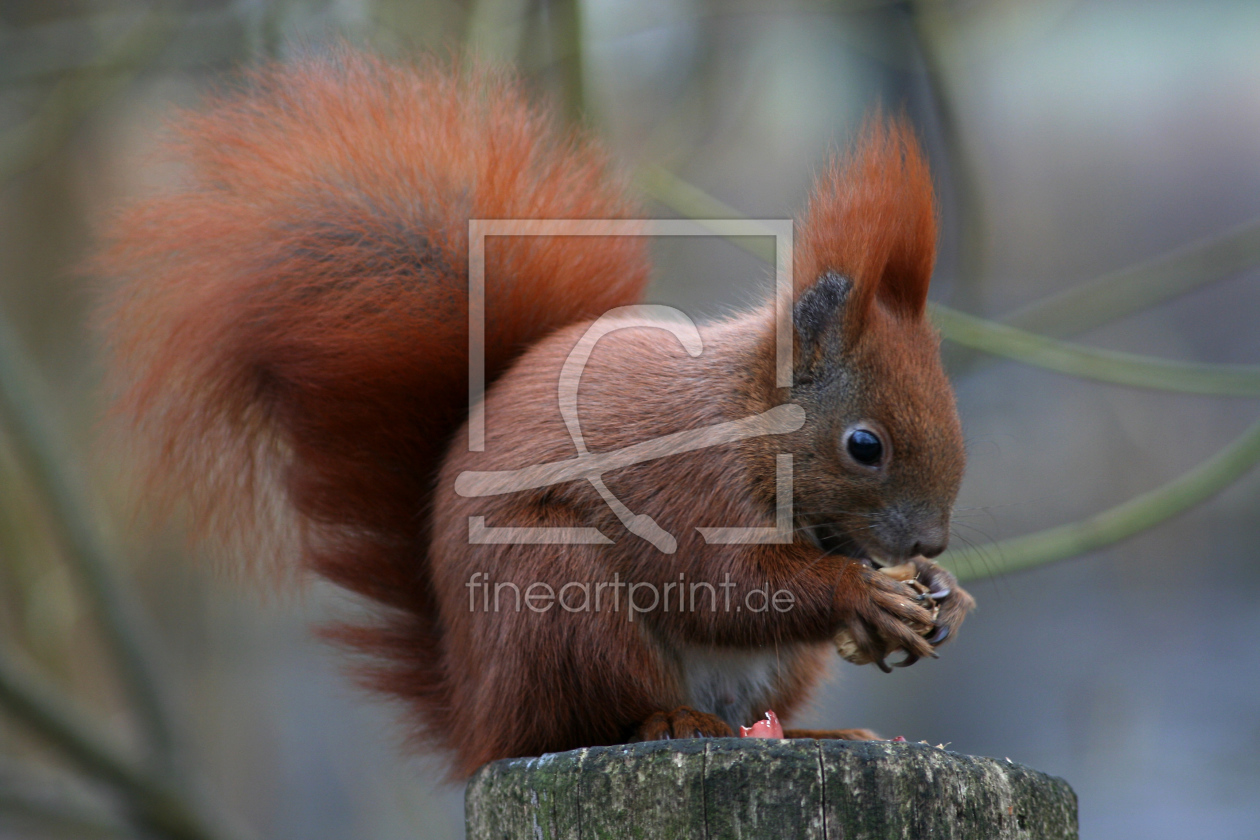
(736, 685)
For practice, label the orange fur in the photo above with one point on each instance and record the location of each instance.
(872, 218)
(290, 331)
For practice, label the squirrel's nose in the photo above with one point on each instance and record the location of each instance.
(929, 549)
(930, 540)
(917, 535)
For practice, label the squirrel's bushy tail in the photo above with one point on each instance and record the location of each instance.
(289, 326)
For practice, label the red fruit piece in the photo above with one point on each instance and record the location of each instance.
(768, 728)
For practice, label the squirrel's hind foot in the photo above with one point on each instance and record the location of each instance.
(682, 722)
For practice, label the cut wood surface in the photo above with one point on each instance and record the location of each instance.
(754, 788)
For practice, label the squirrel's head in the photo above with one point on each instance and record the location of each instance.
(881, 456)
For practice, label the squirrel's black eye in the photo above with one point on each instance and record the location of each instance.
(865, 447)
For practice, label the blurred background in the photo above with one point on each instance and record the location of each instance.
(1098, 168)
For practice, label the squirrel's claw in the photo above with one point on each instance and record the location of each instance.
(909, 660)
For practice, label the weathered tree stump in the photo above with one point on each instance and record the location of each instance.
(753, 788)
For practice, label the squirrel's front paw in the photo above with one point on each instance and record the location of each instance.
(882, 614)
(951, 601)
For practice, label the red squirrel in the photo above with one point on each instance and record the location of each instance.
(290, 339)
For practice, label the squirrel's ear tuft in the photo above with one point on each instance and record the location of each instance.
(816, 316)
(872, 218)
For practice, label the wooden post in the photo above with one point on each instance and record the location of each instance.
(754, 788)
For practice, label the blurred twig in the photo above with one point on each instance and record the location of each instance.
(40, 449)
(1092, 363)
(152, 801)
(569, 52)
(48, 816)
(689, 200)
(24, 415)
(1131, 289)
(1123, 520)
(49, 810)
(929, 29)
(30, 144)
(495, 29)
(1118, 293)
(152, 793)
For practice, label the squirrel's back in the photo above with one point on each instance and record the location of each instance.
(290, 322)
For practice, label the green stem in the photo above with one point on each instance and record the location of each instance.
(39, 448)
(690, 201)
(1118, 293)
(1117, 523)
(1091, 363)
